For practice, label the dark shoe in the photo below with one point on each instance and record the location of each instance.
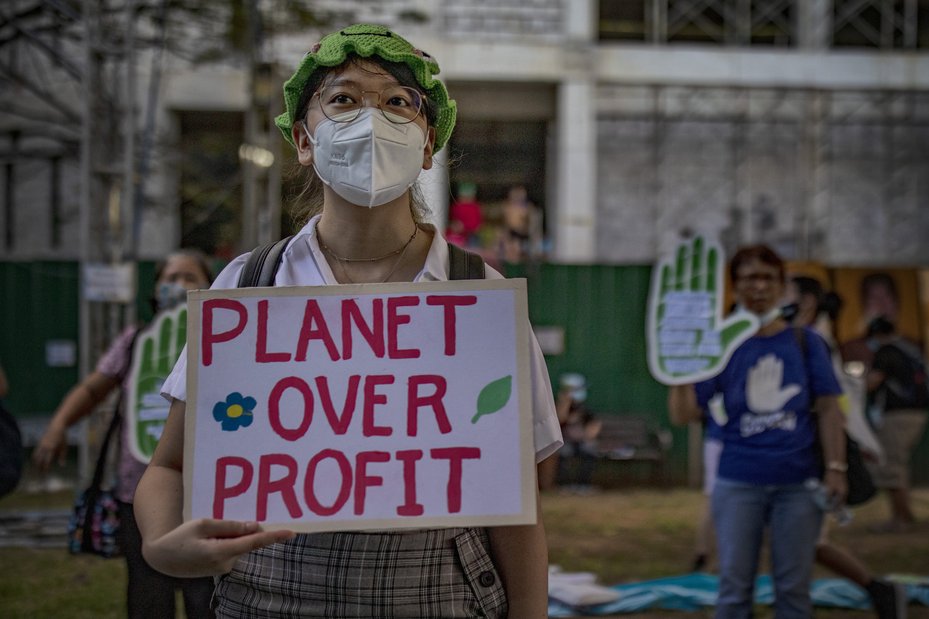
(888, 599)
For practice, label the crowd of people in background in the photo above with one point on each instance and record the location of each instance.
(877, 381)
(508, 231)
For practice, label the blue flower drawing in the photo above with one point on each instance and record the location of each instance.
(235, 412)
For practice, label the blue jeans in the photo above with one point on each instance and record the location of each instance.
(741, 512)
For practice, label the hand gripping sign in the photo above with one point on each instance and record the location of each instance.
(688, 338)
(360, 406)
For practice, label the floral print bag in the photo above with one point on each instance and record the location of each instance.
(94, 524)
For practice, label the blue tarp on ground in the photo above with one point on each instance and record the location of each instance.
(696, 591)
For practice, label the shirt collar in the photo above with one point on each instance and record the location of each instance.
(435, 268)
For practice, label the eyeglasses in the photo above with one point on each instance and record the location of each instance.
(342, 103)
(758, 278)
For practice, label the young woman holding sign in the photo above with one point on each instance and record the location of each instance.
(366, 113)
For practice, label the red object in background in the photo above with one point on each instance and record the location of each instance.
(468, 212)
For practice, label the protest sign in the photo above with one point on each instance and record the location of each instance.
(154, 352)
(360, 406)
(688, 338)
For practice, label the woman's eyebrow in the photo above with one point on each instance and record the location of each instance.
(348, 81)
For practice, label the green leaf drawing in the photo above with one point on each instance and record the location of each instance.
(493, 397)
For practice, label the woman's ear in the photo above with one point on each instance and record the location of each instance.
(427, 151)
(302, 141)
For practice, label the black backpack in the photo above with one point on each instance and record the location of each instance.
(264, 261)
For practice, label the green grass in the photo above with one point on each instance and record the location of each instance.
(621, 535)
(52, 583)
(635, 534)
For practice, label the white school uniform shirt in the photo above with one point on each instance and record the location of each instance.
(303, 264)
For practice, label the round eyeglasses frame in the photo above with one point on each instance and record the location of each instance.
(342, 104)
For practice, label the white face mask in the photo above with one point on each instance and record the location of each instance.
(370, 160)
(767, 318)
(169, 295)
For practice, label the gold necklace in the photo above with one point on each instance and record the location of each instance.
(389, 273)
(399, 250)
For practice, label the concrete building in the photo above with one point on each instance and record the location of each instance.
(802, 123)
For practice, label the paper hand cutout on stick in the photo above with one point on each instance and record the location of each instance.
(688, 338)
(156, 350)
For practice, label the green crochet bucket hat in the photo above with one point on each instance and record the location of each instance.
(367, 40)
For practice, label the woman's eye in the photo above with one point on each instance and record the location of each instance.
(399, 101)
(341, 99)
(337, 97)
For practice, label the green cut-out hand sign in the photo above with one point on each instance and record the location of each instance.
(688, 339)
(156, 350)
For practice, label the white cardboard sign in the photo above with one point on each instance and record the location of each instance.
(360, 406)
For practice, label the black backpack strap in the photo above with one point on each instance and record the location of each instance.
(262, 264)
(463, 264)
(800, 336)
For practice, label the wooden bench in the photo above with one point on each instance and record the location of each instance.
(628, 437)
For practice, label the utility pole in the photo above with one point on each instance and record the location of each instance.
(259, 154)
(105, 189)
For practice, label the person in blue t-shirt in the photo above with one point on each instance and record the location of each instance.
(775, 401)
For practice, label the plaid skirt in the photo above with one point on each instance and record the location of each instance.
(423, 573)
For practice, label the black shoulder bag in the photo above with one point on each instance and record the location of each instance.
(11, 452)
(94, 524)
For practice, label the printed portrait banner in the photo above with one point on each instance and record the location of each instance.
(365, 406)
(687, 336)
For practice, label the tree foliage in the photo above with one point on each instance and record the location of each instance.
(43, 56)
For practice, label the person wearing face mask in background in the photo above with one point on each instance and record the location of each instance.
(898, 403)
(149, 593)
(580, 428)
(819, 310)
(775, 402)
(366, 114)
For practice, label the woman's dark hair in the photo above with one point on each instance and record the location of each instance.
(830, 305)
(880, 326)
(761, 253)
(188, 252)
(808, 286)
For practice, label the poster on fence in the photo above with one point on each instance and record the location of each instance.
(360, 406)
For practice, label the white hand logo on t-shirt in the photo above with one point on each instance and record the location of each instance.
(763, 391)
